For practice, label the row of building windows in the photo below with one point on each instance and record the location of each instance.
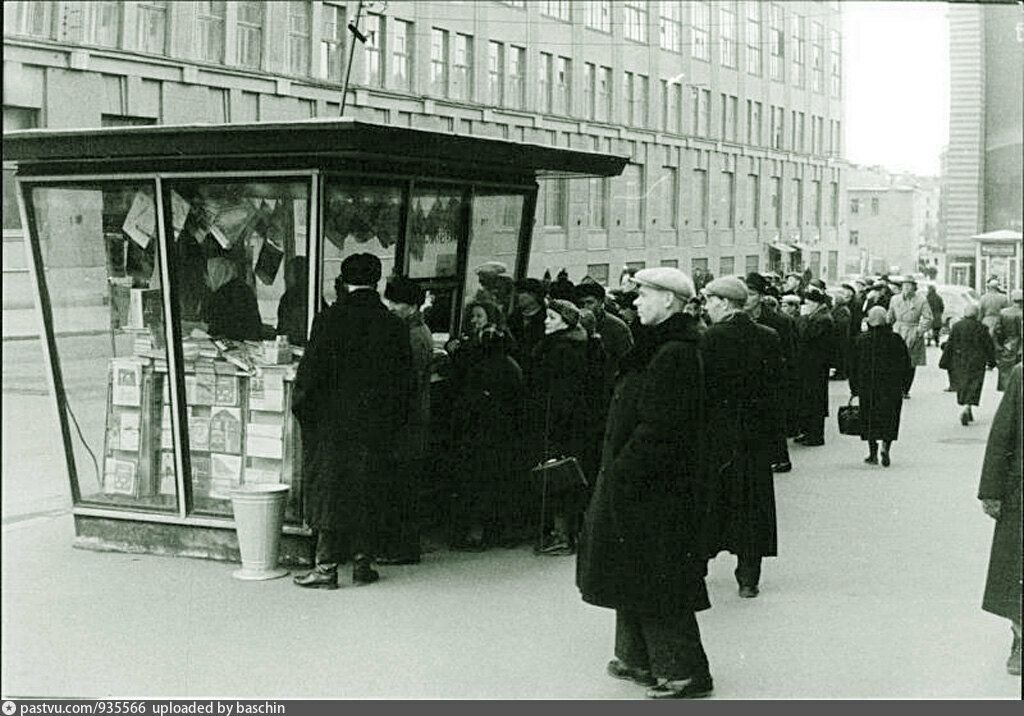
(709, 206)
(102, 23)
(875, 204)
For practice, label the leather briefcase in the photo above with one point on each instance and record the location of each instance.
(849, 419)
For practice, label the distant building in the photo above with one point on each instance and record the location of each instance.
(985, 162)
(731, 112)
(892, 219)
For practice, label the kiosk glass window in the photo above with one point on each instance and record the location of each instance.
(494, 239)
(359, 217)
(101, 267)
(241, 288)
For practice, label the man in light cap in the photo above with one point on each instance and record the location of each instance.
(742, 367)
(351, 399)
(641, 552)
(911, 318)
(992, 303)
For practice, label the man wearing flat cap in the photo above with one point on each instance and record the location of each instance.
(816, 354)
(992, 302)
(788, 384)
(911, 318)
(642, 548)
(742, 367)
(351, 399)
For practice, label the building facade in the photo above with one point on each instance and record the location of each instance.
(893, 219)
(983, 177)
(730, 112)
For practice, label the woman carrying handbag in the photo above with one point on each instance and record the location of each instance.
(880, 372)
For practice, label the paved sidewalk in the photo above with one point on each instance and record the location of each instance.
(25, 323)
(876, 594)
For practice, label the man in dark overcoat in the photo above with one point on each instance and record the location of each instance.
(351, 399)
(970, 352)
(1000, 493)
(788, 382)
(816, 351)
(742, 365)
(641, 550)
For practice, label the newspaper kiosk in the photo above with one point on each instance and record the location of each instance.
(160, 417)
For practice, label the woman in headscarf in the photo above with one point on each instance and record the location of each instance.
(971, 350)
(879, 372)
(231, 311)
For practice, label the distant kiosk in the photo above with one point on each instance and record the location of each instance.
(143, 239)
(998, 254)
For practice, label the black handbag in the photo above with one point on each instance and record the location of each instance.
(849, 419)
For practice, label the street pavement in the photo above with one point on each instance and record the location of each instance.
(876, 594)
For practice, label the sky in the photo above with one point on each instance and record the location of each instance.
(896, 70)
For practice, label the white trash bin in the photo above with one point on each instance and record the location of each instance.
(259, 514)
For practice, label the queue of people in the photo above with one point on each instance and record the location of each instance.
(677, 403)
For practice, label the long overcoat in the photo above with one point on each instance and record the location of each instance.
(911, 319)
(557, 393)
(1001, 480)
(815, 355)
(879, 372)
(842, 319)
(1007, 336)
(742, 364)
(351, 398)
(641, 547)
(971, 351)
(788, 395)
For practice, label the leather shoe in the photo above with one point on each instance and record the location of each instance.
(363, 573)
(695, 687)
(964, 419)
(885, 460)
(818, 442)
(316, 579)
(782, 467)
(620, 670)
(748, 591)
(399, 560)
(871, 459)
(801, 438)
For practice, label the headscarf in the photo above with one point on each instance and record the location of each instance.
(220, 271)
(878, 316)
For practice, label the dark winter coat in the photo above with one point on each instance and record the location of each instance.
(789, 381)
(970, 352)
(1007, 336)
(617, 339)
(557, 393)
(527, 333)
(641, 547)
(879, 373)
(815, 352)
(1001, 480)
(742, 365)
(938, 307)
(291, 315)
(232, 312)
(842, 320)
(351, 398)
(488, 419)
(415, 432)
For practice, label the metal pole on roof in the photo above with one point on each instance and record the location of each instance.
(353, 27)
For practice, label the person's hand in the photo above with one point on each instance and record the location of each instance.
(991, 508)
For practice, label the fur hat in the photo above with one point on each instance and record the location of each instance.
(567, 310)
(403, 290)
(533, 286)
(361, 270)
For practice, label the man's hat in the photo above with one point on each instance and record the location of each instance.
(813, 293)
(492, 267)
(849, 286)
(908, 279)
(533, 286)
(404, 290)
(360, 270)
(757, 283)
(590, 288)
(727, 287)
(666, 278)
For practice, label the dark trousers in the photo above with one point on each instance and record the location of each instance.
(780, 450)
(814, 427)
(400, 516)
(668, 646)
(336, 546)
(748, 570)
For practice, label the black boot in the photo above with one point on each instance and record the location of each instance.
(362, 571)
(319, 578)
(872, 458)
(885, 455)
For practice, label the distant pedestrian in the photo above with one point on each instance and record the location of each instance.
(879, 371)
(1007, 336)
(742, 367)
(842, 319)
(1000, 495)
(938, 308)
(641, 549)
(351, 400)
(992, 302)
(815, 354)
(971, 351)
(616, 337)
(911, 319)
